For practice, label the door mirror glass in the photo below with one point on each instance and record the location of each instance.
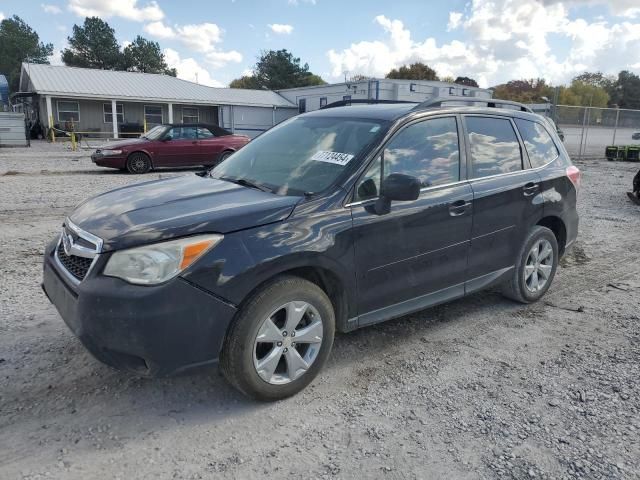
(401, 187)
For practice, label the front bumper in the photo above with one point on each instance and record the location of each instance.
(112, 161)
(151, 331)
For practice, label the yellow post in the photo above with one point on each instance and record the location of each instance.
(144, 123)
(73, 141)
(53, 132)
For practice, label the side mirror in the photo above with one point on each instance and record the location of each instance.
(400, 187)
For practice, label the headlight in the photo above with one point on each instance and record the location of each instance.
(157, 263)
(106, 153)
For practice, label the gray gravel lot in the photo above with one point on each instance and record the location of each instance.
(478, 388)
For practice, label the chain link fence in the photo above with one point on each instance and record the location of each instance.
(589, 130)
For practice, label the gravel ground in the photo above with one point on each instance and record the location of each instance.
(478, 388)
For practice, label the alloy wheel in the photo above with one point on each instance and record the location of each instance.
(539, 266)
(287, 343)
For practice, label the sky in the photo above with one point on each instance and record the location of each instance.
(493, 41)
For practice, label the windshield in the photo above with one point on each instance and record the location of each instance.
(303, 155)
(155, 133)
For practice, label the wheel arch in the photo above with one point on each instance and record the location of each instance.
(559, 229)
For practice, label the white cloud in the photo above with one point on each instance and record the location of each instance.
(507, 39)
(52, 9)
(189, 69)
(128, 9)
(159, 29)
(295, 3)
(454, 20)
(201, 37)
(280, 28)
(2, 17)
(218, 58)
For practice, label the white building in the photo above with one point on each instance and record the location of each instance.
(87, 98)
(313, 98)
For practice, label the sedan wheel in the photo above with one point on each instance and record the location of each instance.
(537, 271)
(138, 163)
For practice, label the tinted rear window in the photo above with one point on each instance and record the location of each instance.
(494, 146)
(537, 141)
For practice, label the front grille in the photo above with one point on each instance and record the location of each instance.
(76, 266)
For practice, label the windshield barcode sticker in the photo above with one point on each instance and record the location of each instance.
(332, 157)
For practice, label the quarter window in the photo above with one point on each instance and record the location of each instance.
(108, 117)
(494, 146)
(68, 111)
(427, 150)
(152, 115)
(538, 142)
(190, 115)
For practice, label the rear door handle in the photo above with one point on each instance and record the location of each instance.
(459, 207)
(530, 189)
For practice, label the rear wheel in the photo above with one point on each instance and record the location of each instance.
(138, 163)
(536, 267)
(280, 340)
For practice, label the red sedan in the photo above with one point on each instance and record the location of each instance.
(175, 145)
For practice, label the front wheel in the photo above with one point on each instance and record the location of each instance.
(536, 266)
(138, 163)
(280, 339)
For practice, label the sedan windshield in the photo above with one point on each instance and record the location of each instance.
(155, 133)
(301, 156)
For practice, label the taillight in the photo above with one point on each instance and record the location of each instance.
(573, 173)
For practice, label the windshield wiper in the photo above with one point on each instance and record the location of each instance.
(246, 183)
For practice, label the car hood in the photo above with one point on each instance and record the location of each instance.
(174, 207)
(122, 143)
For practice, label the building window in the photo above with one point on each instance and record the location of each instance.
(108, 117)
(452, 90)
(190, 115)
(68, 111)
(302, 105)
(465, 92)
(346, 98)
(152, 115)
(412, 87)
(323, 102)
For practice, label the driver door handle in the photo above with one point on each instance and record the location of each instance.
(459, 207)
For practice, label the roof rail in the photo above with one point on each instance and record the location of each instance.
(491, 103)
(370, 101)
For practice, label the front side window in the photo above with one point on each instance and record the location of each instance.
(537, 141)
(182, 133)
(68, 111)
(303, 154)
(426, 150)
(204, 133)
(108, 117)
(190, 115)
(494, 146)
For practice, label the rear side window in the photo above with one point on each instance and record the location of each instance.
(494, 146)
(538, 142)
(426, 150)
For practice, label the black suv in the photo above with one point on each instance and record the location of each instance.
(332, 220)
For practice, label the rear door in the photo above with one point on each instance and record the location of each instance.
(179, 148)
(506, 197)
(405, 257)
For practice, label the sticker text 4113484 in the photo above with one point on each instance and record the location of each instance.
(332, 157)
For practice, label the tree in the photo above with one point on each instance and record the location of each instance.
(583, 94)
(20, 43)
(525, 91)
(93, 45)
(415, 71)
(143, 55)
(597, 79)
(246, 81)
(626, 90)
(277, 69)
(469, 82)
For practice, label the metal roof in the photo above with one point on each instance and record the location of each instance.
(109, 84)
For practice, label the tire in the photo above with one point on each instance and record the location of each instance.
(265, 369)
(528, 283)
(138, 163)
(223, 156)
